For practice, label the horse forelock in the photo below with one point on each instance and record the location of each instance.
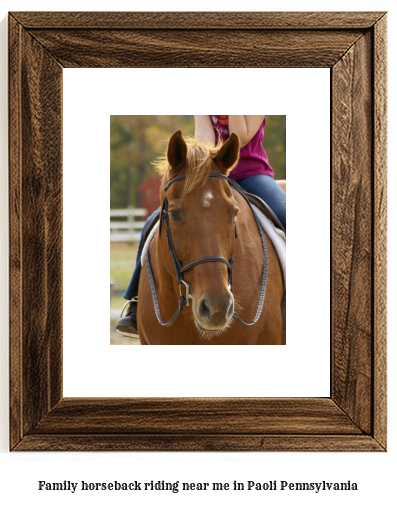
(198, 164)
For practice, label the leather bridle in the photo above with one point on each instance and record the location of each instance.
(184, 299)
(179, 269)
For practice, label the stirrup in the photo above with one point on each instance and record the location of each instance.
(126, 333)
(125, 306)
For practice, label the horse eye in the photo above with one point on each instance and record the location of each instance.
(175, 216)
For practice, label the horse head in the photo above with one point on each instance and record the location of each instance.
(200, 215)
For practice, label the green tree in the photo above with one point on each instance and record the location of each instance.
(274, 144)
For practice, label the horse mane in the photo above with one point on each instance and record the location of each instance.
(198, 163)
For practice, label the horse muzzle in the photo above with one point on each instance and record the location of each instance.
(214, 313)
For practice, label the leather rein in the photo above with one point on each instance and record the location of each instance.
(184, 298)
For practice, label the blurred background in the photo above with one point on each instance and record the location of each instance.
(135, 141)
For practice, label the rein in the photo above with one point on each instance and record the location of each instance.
(184, 299)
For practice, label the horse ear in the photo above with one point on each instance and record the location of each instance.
(227, 156)
(177, 150)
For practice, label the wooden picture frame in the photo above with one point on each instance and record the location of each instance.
(353, 46)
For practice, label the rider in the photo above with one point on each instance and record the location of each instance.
(252, 172)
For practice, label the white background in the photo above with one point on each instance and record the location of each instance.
(20, 473)
(95, 94)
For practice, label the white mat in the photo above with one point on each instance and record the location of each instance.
(149, 240)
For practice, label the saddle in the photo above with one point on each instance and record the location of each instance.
(259, 203)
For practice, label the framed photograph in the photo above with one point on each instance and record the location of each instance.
(353, 46)
(216, 289)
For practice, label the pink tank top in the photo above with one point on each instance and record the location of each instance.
(253, 158)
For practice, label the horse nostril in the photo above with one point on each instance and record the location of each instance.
(204, 309)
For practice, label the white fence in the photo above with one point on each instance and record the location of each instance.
(126, 224)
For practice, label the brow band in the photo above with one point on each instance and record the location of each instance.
(183, 177)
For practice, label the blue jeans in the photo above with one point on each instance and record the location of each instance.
(265, 187)
(261, 185)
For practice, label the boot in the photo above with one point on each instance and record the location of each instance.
(128, 325)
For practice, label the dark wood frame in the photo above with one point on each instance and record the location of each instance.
(353, 46)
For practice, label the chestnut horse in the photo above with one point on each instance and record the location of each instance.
(208, 277)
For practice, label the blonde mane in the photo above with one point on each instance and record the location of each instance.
(198, 163)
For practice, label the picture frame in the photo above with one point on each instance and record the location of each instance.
(353, 46)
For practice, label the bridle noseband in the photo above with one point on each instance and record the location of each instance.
(184, 299)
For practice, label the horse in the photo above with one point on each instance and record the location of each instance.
(209, 277)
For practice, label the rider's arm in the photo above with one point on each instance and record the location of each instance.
(245, 126)
(204, 131)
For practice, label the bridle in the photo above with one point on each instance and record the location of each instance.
(179, 269)
(184, 298)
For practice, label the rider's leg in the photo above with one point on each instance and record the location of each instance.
(265, 187)
(128, 324)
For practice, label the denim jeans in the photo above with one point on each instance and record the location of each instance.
(261, 185)
(265, 187)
